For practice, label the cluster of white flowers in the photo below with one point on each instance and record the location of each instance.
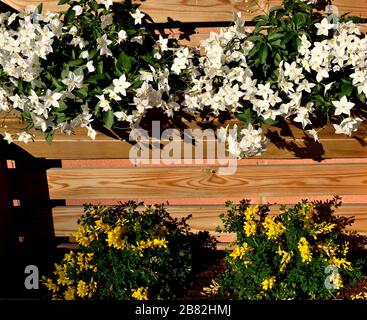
(221, 81)
(345, 51)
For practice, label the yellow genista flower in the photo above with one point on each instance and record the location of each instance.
(336, 280)
(61, 273)
(323, 228)
(69, 294)
(239, 251)
(307, 210)
(69, 257)
(84, 261)
(140, 293)
(149, 244)
(84, 237)
(304, 249)
(160, 243)
(82, 289)
(102, 227)
(286, 257)
(50, 285)
(272, 228)
(340, 262)
(114, 238)
(268, 283)
(250, 228)
(250, 212)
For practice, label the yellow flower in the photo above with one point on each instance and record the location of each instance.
(304, 249)
(268, 283)
(69, 294)
(323, 228)
(250, 212)
(84, 261)
(149, 244)
(240, 251)
(340, 262)
(114, 238)
(140, 293)
(250, 228)
(336, 280)
(82, 289)
(50, 285)
(84, 237)
(61, 272)
(286, 257)
(273, 229)
(307, 210)
(160, 243)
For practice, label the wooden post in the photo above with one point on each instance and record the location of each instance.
(6, 217)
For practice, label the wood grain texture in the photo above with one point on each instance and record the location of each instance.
(285, 144)
(204, 218)
(204, 182)
(204, 10)
(6, 213)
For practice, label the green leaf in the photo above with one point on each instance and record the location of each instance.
(58, 84)
(263, 53)
(275, 36)
(75, 63)
(261, 18)
(49, 135)
(300, 20)
(70, 16)
(82, 93)
(108, 118)
(124, 62)
(275, 8)
(245, 117)
(62, 106)
(61, 2)
(93, 53)
(346, 90)
(39, 8)
(361, 97)
(100, 67)
(26, 113)
(270, 122)
(94, 5)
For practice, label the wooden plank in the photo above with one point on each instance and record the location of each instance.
(205, 10)
(204, 218)
(204, 182)
(7, 238)
(285, 144)
(185, 11)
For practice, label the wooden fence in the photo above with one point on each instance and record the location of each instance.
(43, 187)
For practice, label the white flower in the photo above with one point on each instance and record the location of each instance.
(314, 134)
(113, 95)
(122, 36)
(348, 126)
(305, 86)
(84, 54)
(120, 85)
(106, 20)
(24, 137)
(90, 66)
(163, 43)
(51, 99)
(91, 132)
(138, 16)
(107, 3)
(103, 43)
(324, 27)
(78, 10)
(8, 137)
(343, 106)
(103, 103)
(73, 81)
(264, 90)
(303, 116)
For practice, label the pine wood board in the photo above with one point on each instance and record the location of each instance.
(204, 182)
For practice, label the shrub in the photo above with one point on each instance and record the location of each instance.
(302, 253)
(126, 253)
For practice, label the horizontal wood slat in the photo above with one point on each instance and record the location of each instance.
(204, 10)
(204, 182)
(285, 144)
(204, 218)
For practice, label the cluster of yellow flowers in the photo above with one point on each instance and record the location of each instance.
(250, 225)
(286, 257)
(67, 288)
(268, 283)
(272, 228)
(304, 249)
(140, 293)
(239, 251)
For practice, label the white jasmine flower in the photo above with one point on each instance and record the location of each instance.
(78, 10)
(122, 36)
(51, 99)
(107, 3)
(90, 66)
(343, 106)
(106, 20)
(120, 85)
(73, 81)
(348, 126)
(84, 54)
(324, 27)
(24, 137)
(7, 137)
(138, 16)
(103, 103)
(103, 43)
(91, 132)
